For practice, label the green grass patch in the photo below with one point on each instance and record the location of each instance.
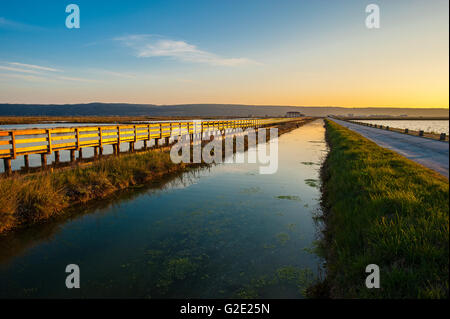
(381, 208)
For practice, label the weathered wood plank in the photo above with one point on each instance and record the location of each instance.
(30, 132)
(65, 146)
(62, 138)
(5, 151)
(31, 140)
(6, 142)
(31, 149)
(89, 135)
(63, 130)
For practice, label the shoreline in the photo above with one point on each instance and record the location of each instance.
(381, 208)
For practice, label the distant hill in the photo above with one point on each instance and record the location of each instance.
(203, 110)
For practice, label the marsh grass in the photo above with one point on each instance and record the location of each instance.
(381, 208)
(26, 199)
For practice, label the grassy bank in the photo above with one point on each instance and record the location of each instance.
(381, 208)
(26, 199)
(29, 198)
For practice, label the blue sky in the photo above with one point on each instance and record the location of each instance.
(211, 51)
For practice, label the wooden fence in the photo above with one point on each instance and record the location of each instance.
(421, 133)
(45, 141)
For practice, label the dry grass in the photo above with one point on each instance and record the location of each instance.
(26, 199)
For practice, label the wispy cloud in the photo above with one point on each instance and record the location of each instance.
(23, 77)
(32, 66)
(8, 68)
(13, 25)
(147, 46)
(33, 72)
(4, 23)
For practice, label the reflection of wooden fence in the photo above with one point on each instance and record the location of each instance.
(25, 142)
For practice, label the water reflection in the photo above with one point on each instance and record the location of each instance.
(16, 243)
(221, 232)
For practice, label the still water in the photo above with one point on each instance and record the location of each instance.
(219, 232)
(430, 126)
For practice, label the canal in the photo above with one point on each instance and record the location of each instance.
(219, 232)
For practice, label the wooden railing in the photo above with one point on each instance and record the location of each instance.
(24, 142)
(421, 133)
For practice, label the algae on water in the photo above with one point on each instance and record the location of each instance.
(312, 182)
(290, 197)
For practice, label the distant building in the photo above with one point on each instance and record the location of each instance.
(294, 114)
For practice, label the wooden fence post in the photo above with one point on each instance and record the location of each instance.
(44, 160)
(49, 138)
(77, 133)
(116, 147)
(7, 163)
(26, 161)
(100, 133)
(13, 142)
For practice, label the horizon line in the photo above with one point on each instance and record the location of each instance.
(232, 104)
